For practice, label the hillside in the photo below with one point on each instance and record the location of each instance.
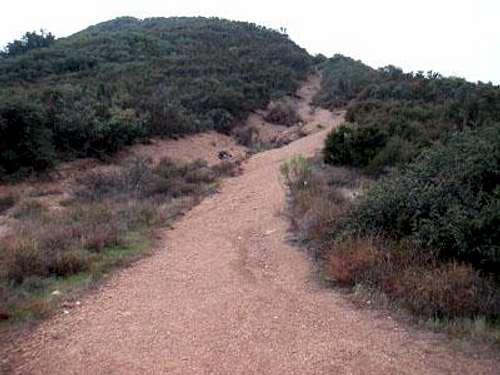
(399, 114)
(123, 80)
(403, 206)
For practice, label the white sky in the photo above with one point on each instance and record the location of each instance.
(454, 37)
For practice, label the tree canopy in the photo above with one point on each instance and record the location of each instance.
(28, 42)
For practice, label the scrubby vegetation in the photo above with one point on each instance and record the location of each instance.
(6, 202)
(120, 81)
(283, 113)
(104, 224)
(425, 232)
(394, 115)
(28, 42)
(337, 214)
(447, 201)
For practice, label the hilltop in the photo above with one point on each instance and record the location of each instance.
(127, 79)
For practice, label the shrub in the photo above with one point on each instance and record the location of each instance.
(349, 260)
(246, 135)
(7, 201)
(97, 185)
(296, 172)
(446, 201)
(449, 290)
(69, 263)
(283, 114)
(29, 209)
(25, 258)
(353, 146)
(342, 80)
(22, 259)
(422, 285)
(26, 143)
(227, 168)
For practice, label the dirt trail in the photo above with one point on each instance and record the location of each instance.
(226, 294)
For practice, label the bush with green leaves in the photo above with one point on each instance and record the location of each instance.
(297, 171)
(353, 146)
(447, 201)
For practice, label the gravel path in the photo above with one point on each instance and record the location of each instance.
(226, 294)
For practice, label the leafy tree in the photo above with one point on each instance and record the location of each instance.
(28, 42)
(26, 143)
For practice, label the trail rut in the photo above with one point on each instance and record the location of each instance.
(227, 294)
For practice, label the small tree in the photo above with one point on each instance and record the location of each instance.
(29, 41)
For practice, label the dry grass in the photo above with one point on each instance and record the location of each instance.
(91, 232)
(349, 261)
(318, 199)
(407, 277)
(423, 286)
(7, 201)
(448, 290)
(28, 208)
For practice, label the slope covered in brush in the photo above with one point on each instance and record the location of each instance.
(95, 91)
(434, 142)
(395, 115)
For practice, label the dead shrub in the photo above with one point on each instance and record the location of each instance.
(7, 201)
(318, 218)
(54, 245)
(97, 185)
(38, 308)
(29, 209)
(349, 260)
(449, 290)
(69, 262)
(22, 259)
(414, 280)
(297, 171)
(26, 257)
(139, 213)
(102, 236)
(227, 168)
(200, 175)
(283, 114)
(246, 135)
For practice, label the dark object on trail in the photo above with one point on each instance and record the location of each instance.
(224, 155)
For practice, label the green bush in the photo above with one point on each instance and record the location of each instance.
(353, 146)
(447, 201)
(297, 172)
(26, 141)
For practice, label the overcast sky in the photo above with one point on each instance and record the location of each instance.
(454, 37)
